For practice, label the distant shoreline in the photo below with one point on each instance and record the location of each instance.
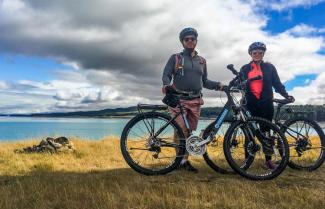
(85, 117)
(98, 117)
(311, 111)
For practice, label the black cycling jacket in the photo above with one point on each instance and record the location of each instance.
(270, 79)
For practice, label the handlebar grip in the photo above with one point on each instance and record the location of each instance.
(230, 66)
(232, 69)
(282, 101)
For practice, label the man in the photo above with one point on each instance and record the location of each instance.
(188, 72)
(259, 94)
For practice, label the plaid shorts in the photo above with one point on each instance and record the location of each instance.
(192, 111)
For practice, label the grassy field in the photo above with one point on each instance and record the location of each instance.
(96, 176)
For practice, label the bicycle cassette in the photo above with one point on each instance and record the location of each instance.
(192, 148)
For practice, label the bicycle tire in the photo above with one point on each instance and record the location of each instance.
(131, 162)
(245, 171)
(321, 158)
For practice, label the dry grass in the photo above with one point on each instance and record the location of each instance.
(96, 176)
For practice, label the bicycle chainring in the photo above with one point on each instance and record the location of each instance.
(192, 148)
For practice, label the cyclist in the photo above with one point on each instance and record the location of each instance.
(187, 71)
(259, 94)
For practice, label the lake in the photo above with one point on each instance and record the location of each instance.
(21, 128)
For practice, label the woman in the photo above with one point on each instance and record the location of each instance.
(259, 94)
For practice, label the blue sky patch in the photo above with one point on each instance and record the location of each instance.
(280, 21)
(300, 80)
(18, 67)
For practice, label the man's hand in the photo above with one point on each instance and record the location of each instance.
(220, 87)
(165, 87)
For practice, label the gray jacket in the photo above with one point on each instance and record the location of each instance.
(193, 77)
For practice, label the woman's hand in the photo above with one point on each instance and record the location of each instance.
(291, 98)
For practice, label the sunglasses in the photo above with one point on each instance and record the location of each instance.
(257, 53)
(186, 39)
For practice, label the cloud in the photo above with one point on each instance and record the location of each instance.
(13, 102)
(108, 35)
(313, 93)
(118, 51)
(305, 30)
(69, 94)
(3, 85)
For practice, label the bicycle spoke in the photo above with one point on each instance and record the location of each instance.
(135, 148)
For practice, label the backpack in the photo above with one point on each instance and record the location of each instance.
(179, 63)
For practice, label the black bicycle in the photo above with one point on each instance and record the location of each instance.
(305, 137)
(152, 143)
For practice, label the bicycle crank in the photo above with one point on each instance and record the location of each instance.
(192, 146)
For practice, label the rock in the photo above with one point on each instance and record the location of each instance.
(50, 145)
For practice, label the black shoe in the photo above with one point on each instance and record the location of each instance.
(188, 167)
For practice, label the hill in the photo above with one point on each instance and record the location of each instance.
(313, 111)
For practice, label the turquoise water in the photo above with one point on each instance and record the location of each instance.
(18, 128)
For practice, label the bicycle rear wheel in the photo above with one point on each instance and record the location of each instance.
(247, 156)
(306, 142)
(149, 154)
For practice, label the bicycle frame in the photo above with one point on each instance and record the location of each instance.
(181, 112)
(230, 104)
(219, 120)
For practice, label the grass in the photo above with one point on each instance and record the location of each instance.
(96, 176)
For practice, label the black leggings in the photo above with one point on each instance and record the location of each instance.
(263, 109)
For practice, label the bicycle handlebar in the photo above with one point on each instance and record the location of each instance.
(232, 69)
(254, 78)
(283, 101)
(238, 80)
(176, 92)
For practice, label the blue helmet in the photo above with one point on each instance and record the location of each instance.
(256, 45)
(186, 32)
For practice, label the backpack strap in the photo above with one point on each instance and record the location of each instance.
(179, 63)
(202, 60)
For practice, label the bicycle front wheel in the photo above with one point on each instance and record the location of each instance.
(261, 156)
(149, 153)
(306, 142)
(214, 155)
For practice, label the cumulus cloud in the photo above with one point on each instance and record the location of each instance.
(118, 51)
(305, 30)
(313, 93)
(3, 85)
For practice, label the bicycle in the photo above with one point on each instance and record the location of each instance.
(302, 146)
(152, 143)
(305, 137)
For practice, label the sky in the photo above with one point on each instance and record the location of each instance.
(62, 56)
